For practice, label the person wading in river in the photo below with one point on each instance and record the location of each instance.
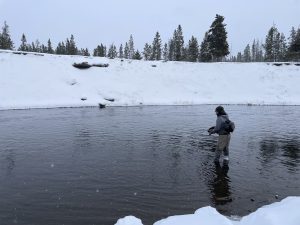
(224, 135)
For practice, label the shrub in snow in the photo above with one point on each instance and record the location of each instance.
(102, 106)
(83, 65)
(110, 99)
(101, 65)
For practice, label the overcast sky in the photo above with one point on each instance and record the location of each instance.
(94, 21)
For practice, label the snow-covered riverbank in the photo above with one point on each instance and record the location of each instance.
(285, 212)
(41, 81)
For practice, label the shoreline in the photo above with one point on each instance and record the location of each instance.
(144, 105)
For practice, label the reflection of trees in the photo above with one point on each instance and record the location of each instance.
(268, 149)
(291, 153)
(175, 144)
(10, 158)
(83, 137)
(286, 149)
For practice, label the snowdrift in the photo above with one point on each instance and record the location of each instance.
(285, 212)
(43, 80)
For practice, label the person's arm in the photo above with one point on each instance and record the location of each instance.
(217, 128)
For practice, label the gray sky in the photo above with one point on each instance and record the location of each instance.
(94, 21)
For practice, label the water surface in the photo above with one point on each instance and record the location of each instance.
(90, 166)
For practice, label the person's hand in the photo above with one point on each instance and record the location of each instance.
(210, 130)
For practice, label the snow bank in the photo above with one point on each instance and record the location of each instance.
(285, 212)
(203, 216)
(28, 81)
(129, 220)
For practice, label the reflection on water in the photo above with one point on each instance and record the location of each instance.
(10, 161)
(90, 166)
(285, 150)
(220, 185)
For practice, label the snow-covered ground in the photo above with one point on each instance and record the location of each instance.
(285, 212)
(34, 81)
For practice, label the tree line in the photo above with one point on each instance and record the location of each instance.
(275, 48)
(213, 48)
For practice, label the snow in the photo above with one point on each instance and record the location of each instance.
(44, 81)
(285, 212)
(206, 216)
(129, 220)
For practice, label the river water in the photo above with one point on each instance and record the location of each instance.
(89, 166)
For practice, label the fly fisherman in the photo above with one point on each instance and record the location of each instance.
(224, 135)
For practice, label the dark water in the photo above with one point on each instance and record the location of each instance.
(90, 166)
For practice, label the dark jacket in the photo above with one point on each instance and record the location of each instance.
(220, 125)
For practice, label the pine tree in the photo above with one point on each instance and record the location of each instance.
(193, 50)
(259, 52)
(131, 51)
(43, 49)
(5, 39)
(126, 51)
(121, 53)
(277, 47)
(185, 54)
(282, 53)
(217, 38)
(147, 52)
(86, 52)
(57, 49)
(247, 54)
(31, 48)
(23, 46)
(37, 46)
(137, 55)
(49, 48)
(100, 51)
(156, 47)
(205, 55)
(272, 44)
(253, 51)
(165, 52)
(63, 48)
(171, 51)
(178, 44)
(68, 49)
(96, 51)
(72, 46)
(239, 57)
(297, 45)
(294, 45)
(112, 51)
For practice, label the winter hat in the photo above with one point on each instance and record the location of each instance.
(219, 109)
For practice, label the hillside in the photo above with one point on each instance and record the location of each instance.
(42, 81)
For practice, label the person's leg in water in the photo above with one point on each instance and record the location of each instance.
(220, 146)
(226, 150)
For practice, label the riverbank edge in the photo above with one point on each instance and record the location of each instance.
(143, 105)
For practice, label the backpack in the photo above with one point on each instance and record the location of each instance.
(229, 126)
